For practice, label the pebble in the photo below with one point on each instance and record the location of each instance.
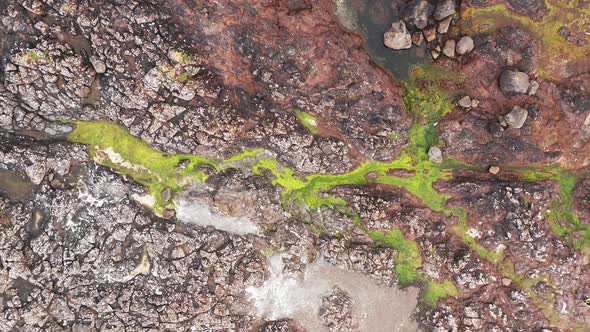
(166, 194)
(435, 155)
(533, 88)
(429, 34)
(494, 169)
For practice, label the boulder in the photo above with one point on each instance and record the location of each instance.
(435, 155)
(465, 102)
(398, 37)
(514, 81)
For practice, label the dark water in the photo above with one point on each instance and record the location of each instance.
(371, 18)
(15, 186)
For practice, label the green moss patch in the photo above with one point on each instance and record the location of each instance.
(308, 121)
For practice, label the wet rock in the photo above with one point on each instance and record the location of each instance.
(517, 117)
(166, 194)
(494, 169)
(430, 34)
(464, 45)
(416, 14)
(444, 9)
(417, 38)
(465, 102)
(514, 81)
(435, 154)
(398, 37)
(449, 48)
(443, 26)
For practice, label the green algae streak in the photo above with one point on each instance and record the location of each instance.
(427, 102)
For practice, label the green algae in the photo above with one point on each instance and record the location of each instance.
(555, 50)
(427, 102)
(308, 121)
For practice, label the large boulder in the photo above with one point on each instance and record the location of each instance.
(416, 13)
(444, 9)
(514, 81)
(398, 37)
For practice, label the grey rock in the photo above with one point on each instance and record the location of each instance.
(464, 45)
(465, 102)
(444, 9)
(449, 48)
(494, 169)
(443, 26)
(514, 81)
(435, 154)
(416, 14)
(398, 37)
(166, 194)
(430, 34)
(533, 88)
(517, 117)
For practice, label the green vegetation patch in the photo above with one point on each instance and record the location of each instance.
(437, 291)
(308, 121)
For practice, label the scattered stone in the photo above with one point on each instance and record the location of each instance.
(166, 194)
(517, 117)
(444, 9)
(371, 176)
(435, 155)
(168, 214)
(429, 34)
(437, 48)
(509, 60)
(398, 37)
(416, 14)
(502, 121)
(533, 88)
(99, 65)
(464, 45)
(564, 31)
(449, 48)
(494, 169)
(465, 102)
(443, 26)
(514, 81)
(417, 38)
(435, 54)
(56, 184)
(474, 103)
(506, 281)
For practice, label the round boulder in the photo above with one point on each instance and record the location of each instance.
(514, 81)
(464, 45)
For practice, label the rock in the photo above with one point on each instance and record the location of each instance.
(494, 169)
(166, 194)
(417, 38)
(517, 117)
(99, 65)
(398, 37)
(533, 88)
(465, 102)
(168, 214)
(429, 34)
(371, 176)
(474, 103)
(435, 155)
(416, 14)
(506, 281)
(502, 121)
(443, 26)
(449, 48)
(444, 9)
(464, 45)
(435, 54)
(514, 81)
